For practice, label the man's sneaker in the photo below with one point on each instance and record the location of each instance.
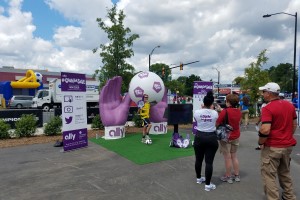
(147, 137)
(227, 179)
(143, 140)
(200, 180)
(237, 178)
(210, 187)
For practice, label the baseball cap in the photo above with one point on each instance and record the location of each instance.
(271, 87)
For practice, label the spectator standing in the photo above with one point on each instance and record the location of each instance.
(183, 100)
(276, 135)
(174, 100)
(205, 143)
(295, 100)
(189, 100)
(244, 107)
(229, 149)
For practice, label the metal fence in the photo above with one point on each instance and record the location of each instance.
(47, 116)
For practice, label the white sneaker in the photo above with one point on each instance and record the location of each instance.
(186, 143)
(210, 187)
(179, 143)
(200, 180)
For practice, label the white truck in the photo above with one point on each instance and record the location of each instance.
(50, 98)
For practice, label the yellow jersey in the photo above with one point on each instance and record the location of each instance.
(145, 111)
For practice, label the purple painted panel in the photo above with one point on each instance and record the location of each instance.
(73, 82)
(74, 139)
(201, 87)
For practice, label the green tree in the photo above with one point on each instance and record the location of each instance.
(283, 75)
(175, 85)
(238, 80)
(118, 49)
(157, 68)
(189, 85)
(255, 76)
(182, 79)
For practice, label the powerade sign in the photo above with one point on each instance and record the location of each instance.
(11, 116)
(74, 115)
(73, 82)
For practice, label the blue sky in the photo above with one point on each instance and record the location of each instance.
(227, 35)
(45, 18)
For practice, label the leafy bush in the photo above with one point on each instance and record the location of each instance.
(54, 126)
(138, 122)
(4, 130)
(251, 112)
(97, 123)
(26, 126)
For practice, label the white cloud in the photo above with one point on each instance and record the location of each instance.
(227, 34)
(65, 36)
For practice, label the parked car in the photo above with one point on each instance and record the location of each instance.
(20, 101)
(221, 100)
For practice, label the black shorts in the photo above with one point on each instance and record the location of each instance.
(146, 122)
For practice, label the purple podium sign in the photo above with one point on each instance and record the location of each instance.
(75, 139)
(73, 87)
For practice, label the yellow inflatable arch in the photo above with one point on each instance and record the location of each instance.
(29, 81)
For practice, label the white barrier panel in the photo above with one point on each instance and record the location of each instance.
(114, 132)
(159, 128)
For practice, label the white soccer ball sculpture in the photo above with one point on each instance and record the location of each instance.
(146, 83)
(39, 77)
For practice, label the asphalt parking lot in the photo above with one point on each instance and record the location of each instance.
(43, 172)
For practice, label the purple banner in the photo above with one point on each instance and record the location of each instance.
(200, 90)
(73, 82)
(75, 139)
(202, 87)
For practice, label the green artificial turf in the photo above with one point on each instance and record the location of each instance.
(133, 149)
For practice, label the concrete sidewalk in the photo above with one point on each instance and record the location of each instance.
(43, 172)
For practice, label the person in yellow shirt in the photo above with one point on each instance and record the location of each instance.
(144, 112)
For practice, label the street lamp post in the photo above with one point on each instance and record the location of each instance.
(151, 54)
(218, 80)
(295, 42)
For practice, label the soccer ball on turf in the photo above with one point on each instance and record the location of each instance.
(146, 83)
(148, 141)
(39, 77)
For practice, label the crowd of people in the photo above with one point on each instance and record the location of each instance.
(181, 100)
(275, 140)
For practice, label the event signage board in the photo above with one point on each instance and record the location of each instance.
(74, 116)
(11, 116)
(199, 91)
